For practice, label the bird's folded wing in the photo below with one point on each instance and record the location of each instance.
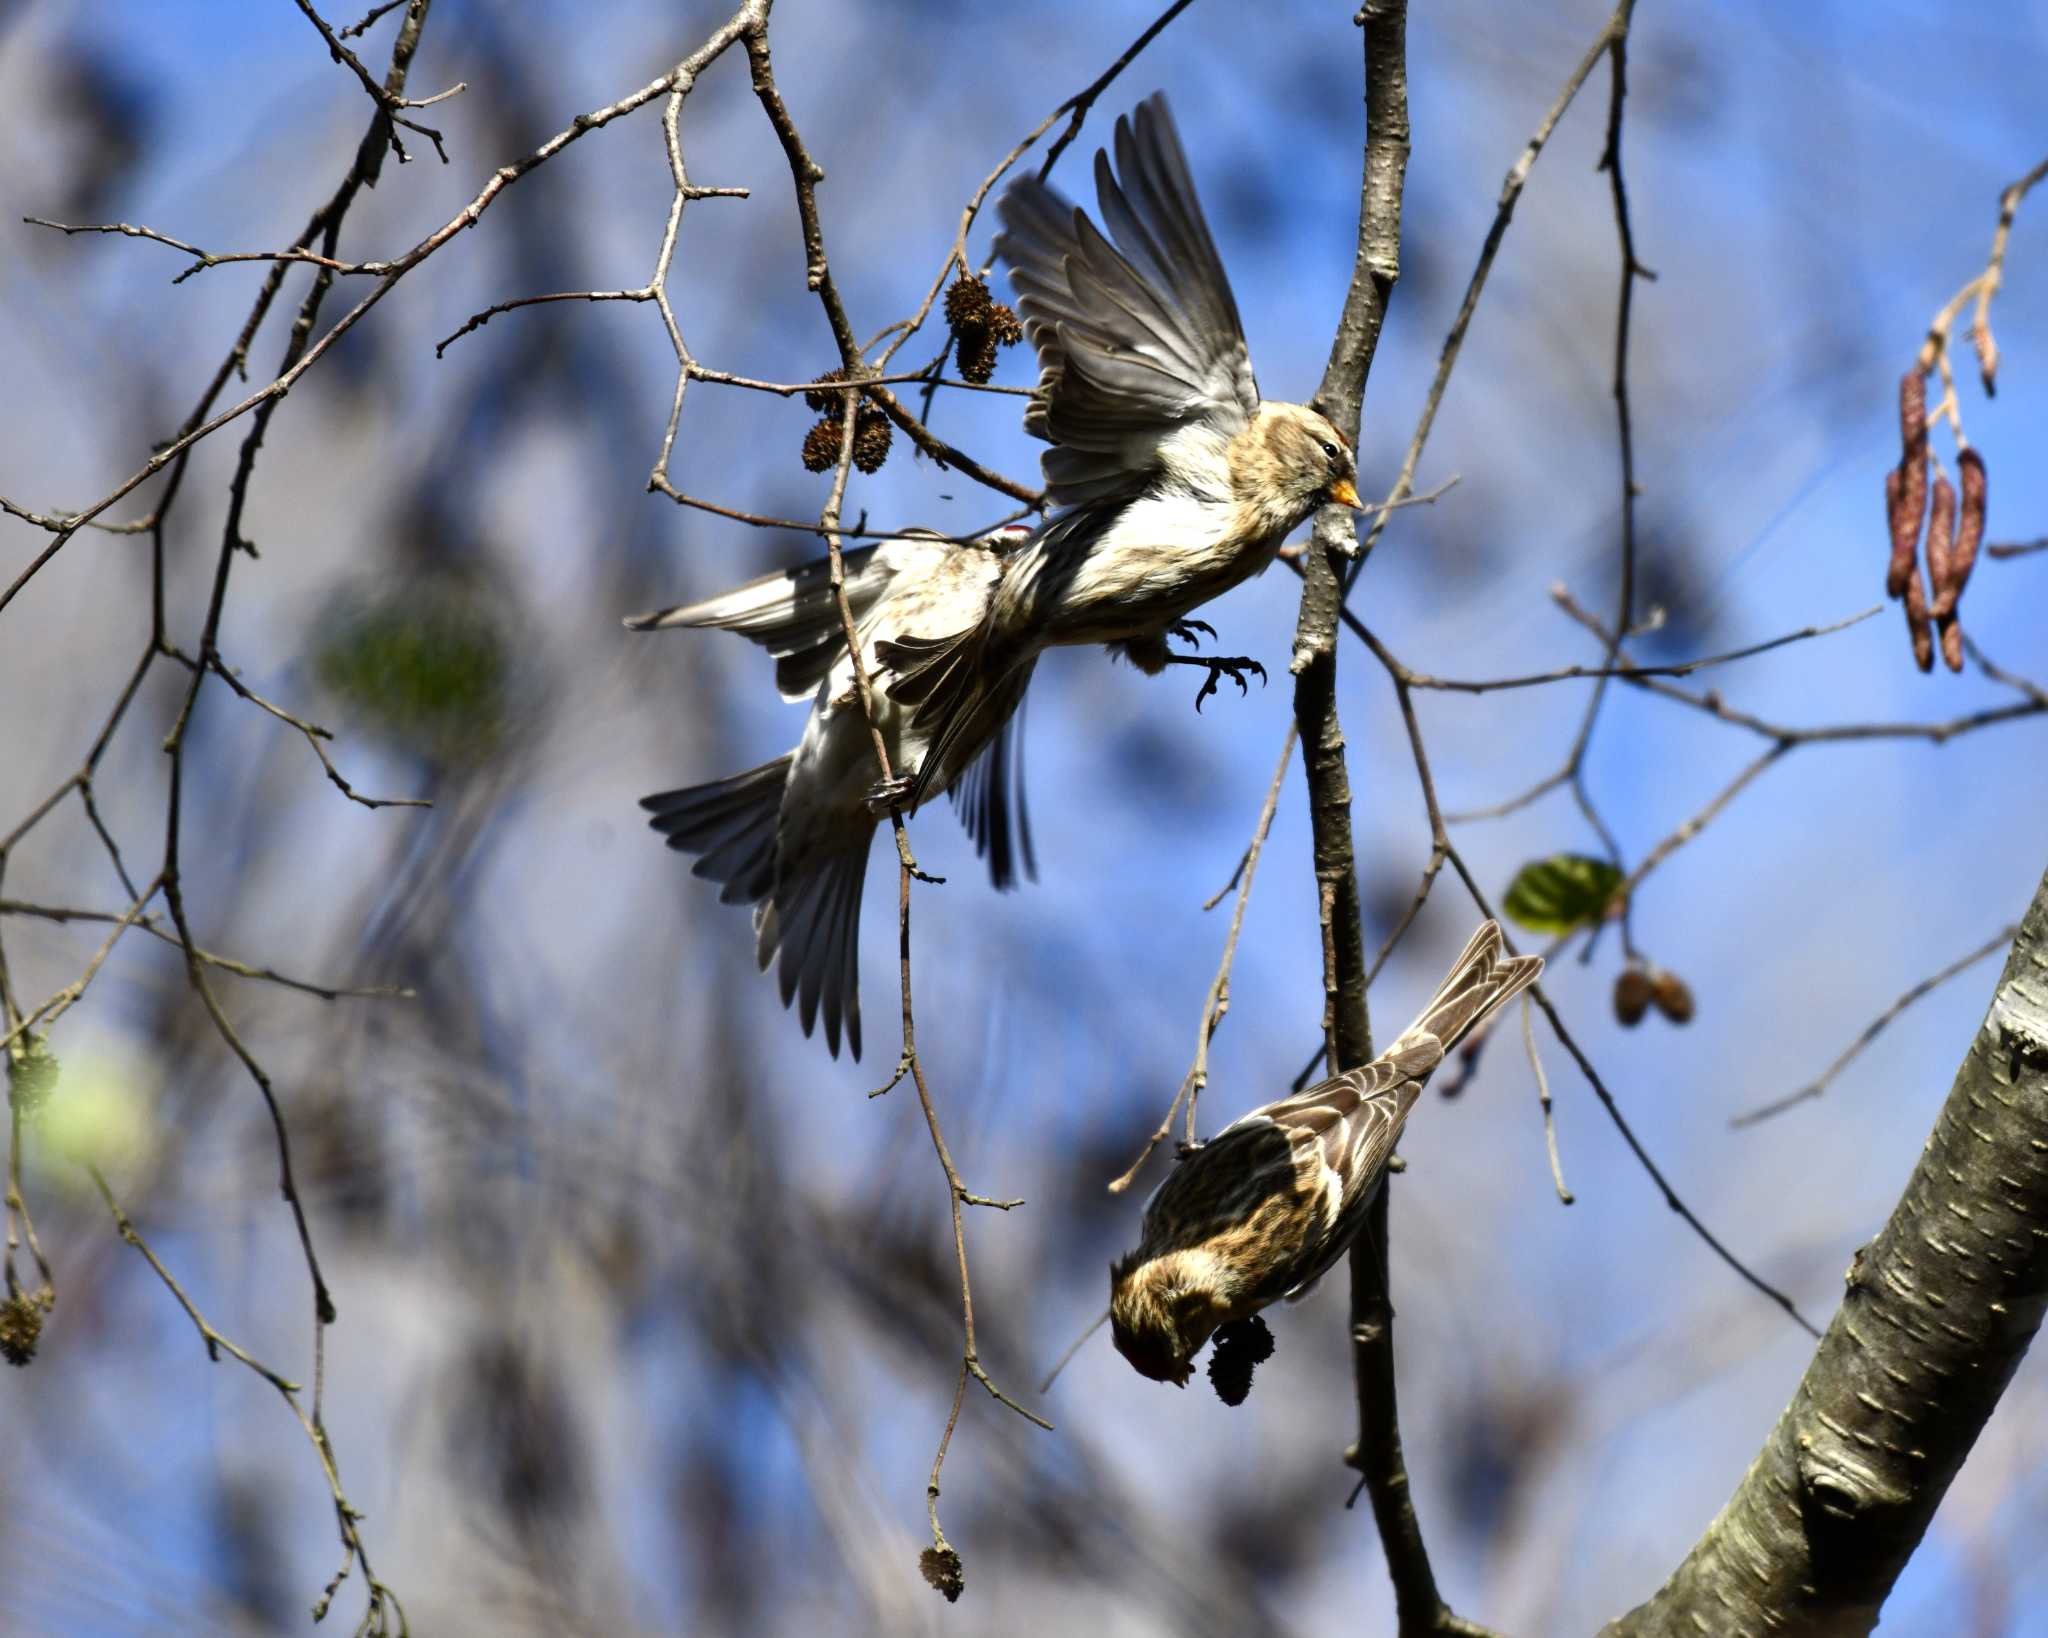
(1354, 1119)
(1136, 338)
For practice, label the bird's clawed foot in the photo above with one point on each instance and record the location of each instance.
(1185, 630)
(1234, 667)
(887, 796)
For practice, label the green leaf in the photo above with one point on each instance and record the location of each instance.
(427, 665)
(1564, 891)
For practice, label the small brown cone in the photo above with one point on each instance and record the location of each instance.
(821, 445)
(1631, 996)
(1673, 997)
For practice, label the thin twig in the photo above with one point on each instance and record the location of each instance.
(805, 174)
(152, 924)
(1998, 941)
(1543, 1101)
(1217, 1002)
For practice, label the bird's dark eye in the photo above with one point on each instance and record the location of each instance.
(1330, 449)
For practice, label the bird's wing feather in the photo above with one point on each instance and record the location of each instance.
(791, 613)
(989, 797)
(1350, 1122)
(1137, 333)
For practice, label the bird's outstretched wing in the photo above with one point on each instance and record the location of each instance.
(989, 798)
(791, 613)
(1137, 333)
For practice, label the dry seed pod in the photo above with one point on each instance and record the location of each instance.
(977, 351)
(21, 1327)
(1240, 1346)
(1912, 415)
(1909, 511)
(1969, 534)
(1952, 643)
(1904, 540)
(1631, 996)
(941, 1567)
(1673, 997)
(968, 306)
(1941, 530)
(1917, 622)
(825, 402)
(870, 441)
(821, 445)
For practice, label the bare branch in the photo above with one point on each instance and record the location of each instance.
(1815, 1088)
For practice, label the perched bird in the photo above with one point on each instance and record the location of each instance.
(1263, 1209)
(791, 837)
(1176, 482)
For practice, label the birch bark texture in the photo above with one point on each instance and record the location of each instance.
(1938, 1312)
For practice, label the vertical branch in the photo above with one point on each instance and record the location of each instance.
(1347, 1027)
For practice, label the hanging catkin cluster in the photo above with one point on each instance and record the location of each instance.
(1954, 529)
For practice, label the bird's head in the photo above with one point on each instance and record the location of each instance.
(1161, 1311)
(1292, 461)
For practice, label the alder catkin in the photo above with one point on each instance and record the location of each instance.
(1903, 538)
(1962, 556)
(1909, 509)
(1917, 623)
(1941, 529)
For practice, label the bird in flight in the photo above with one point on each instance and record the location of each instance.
(791, 837)
(1174, 481)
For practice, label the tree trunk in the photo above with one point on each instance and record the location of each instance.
(1938, 1312)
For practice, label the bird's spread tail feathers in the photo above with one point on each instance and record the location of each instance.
(731, 824)
(807, 910)
(813, 919)
(1481, 981)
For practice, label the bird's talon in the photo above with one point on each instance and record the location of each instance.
(1185, 630)
(885, 796)
(1233, 667)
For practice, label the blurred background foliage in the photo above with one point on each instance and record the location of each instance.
(647, 1314)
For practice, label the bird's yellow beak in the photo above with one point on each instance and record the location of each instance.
(1345, 493)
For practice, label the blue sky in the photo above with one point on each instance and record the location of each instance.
(1809, 184)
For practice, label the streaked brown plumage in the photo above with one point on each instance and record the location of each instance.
(1263, 1209)
(792, 836)
(1177, 482)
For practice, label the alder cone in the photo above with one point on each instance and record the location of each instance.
(1673, 997)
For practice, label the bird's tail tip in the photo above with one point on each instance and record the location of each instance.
(1481, 981)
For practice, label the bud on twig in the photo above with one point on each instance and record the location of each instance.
(1987, 352)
